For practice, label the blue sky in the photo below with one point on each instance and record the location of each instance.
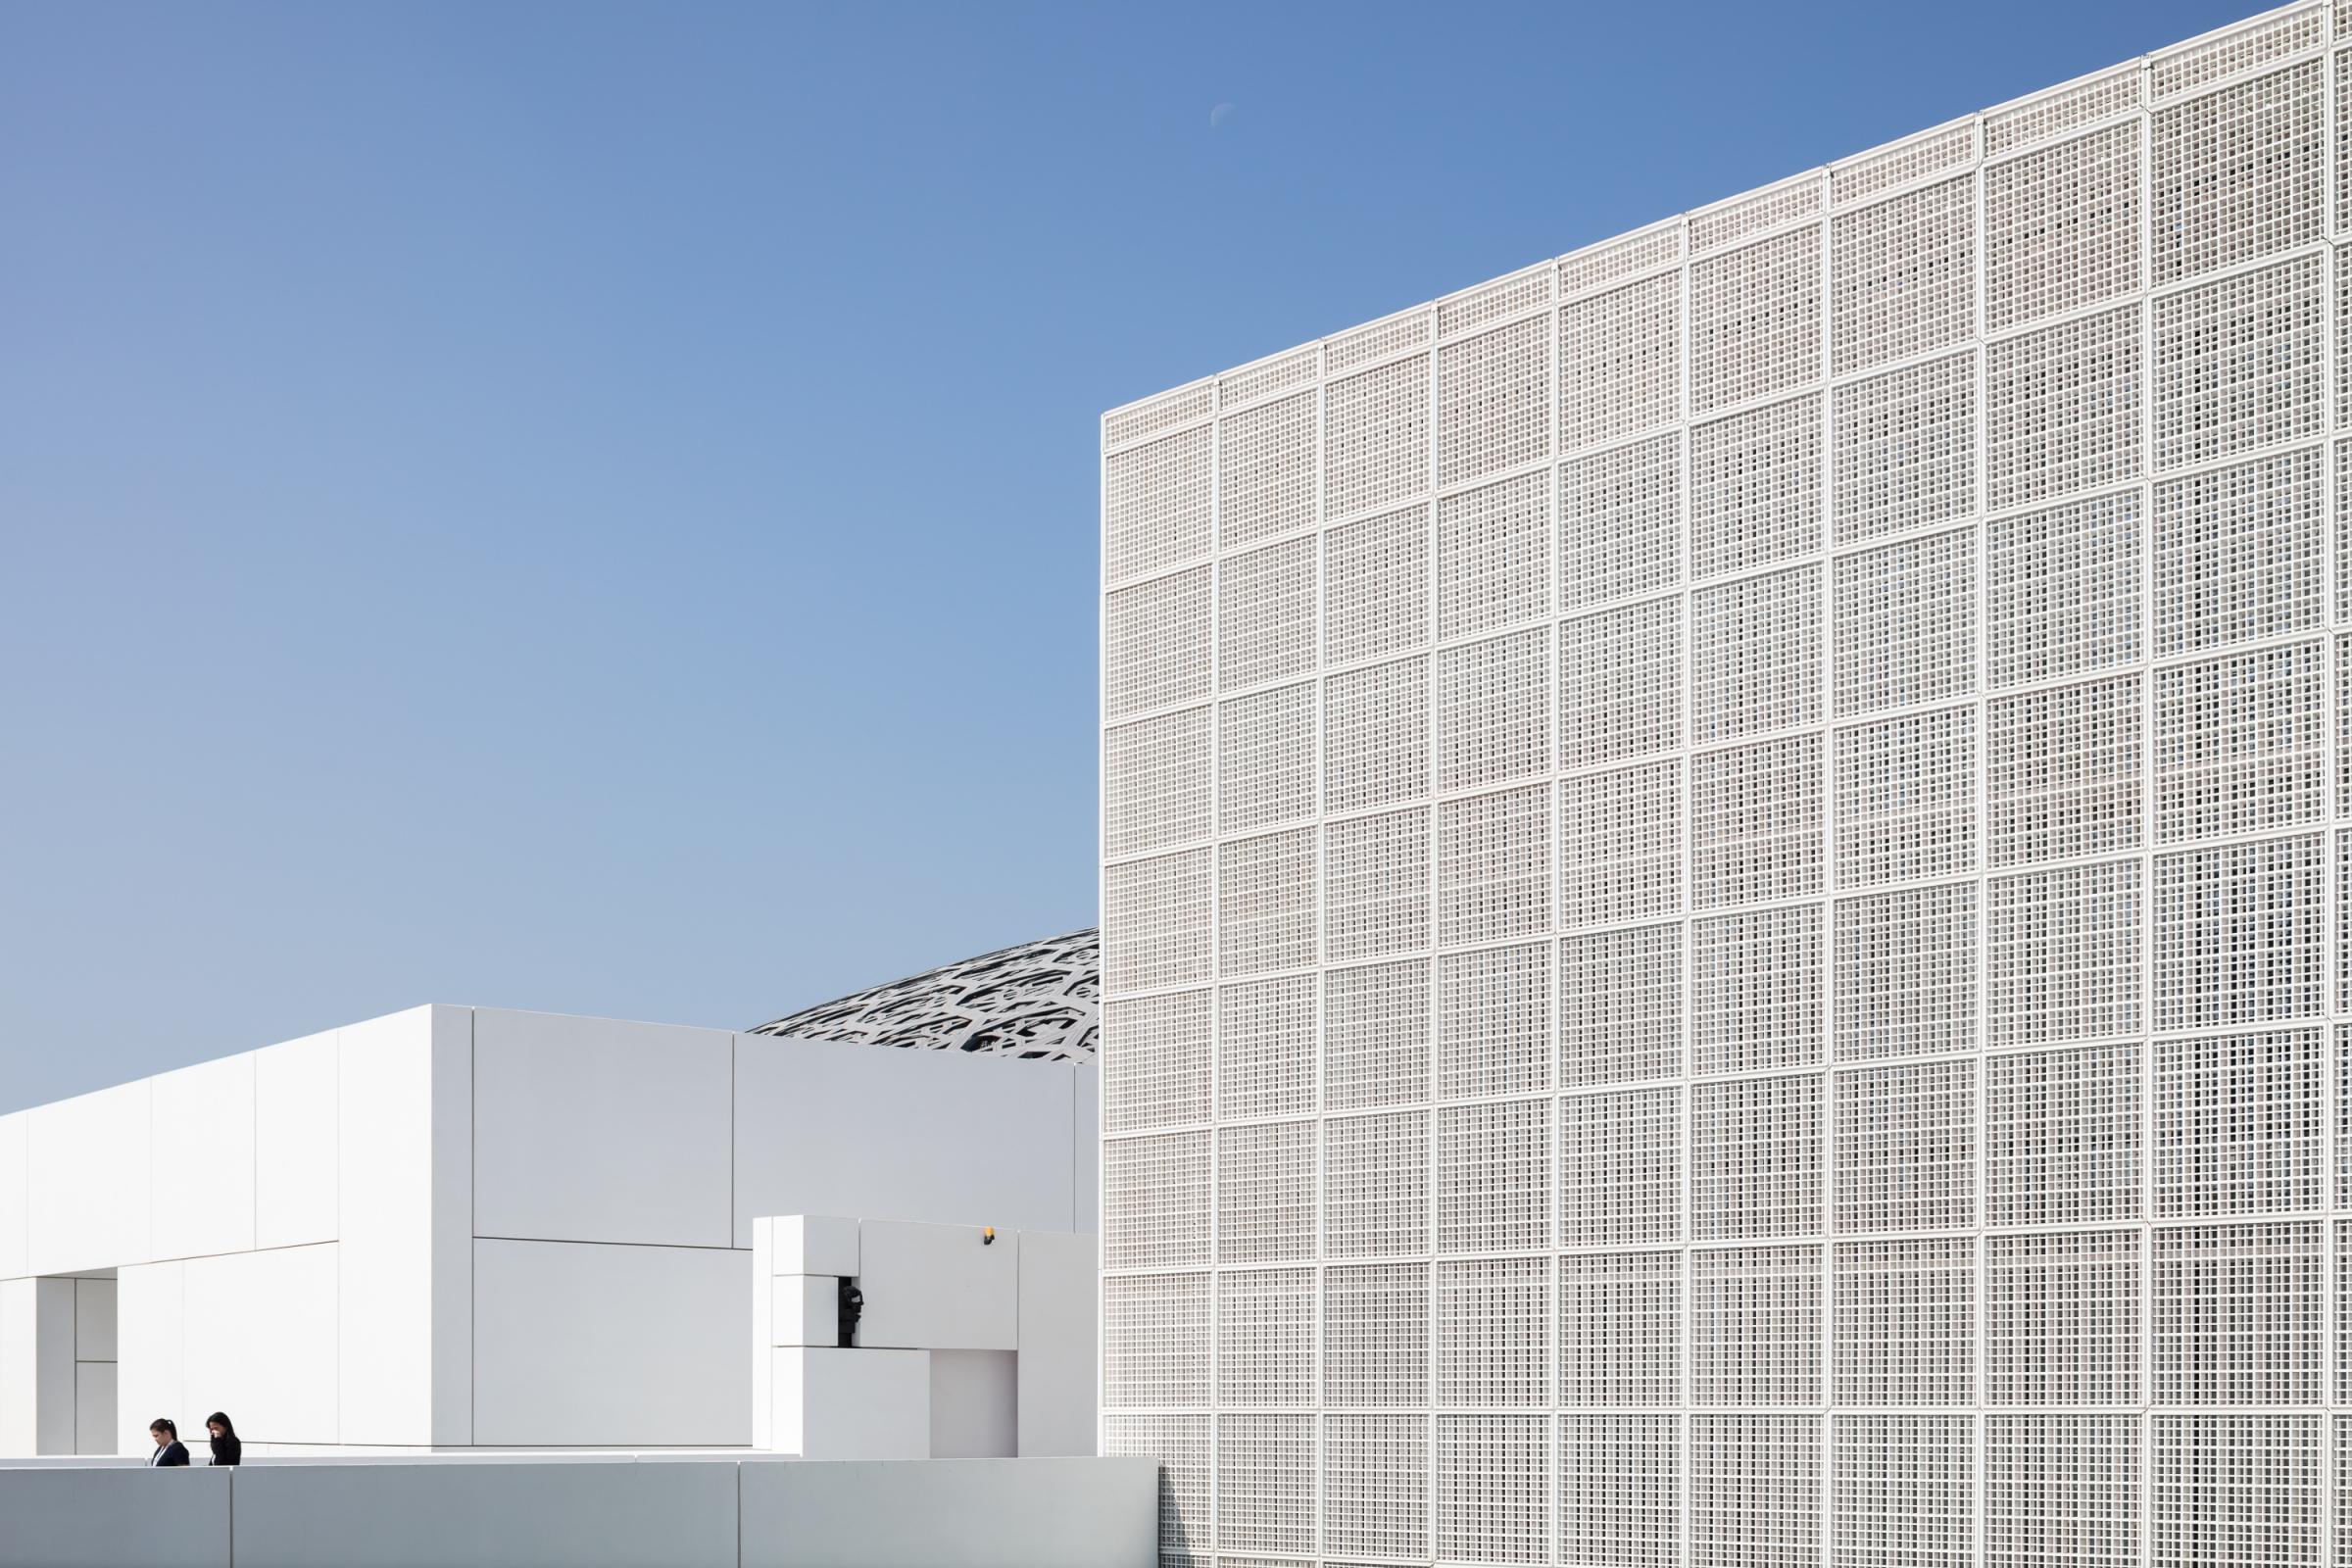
(592, 508)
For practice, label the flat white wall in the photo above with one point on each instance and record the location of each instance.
(201, 1183)
(14, 1168)
(405, 1161)
(36, 1366)
(1060, 1332)
(595, 1130)
(972, 1394)
(95, 1342)
(937, 1287)
(295, 1124)
(1088, 1116)
(150, 1353)
(579, 1344)
(827, 1127)
(259, 1343)
(87, 1181)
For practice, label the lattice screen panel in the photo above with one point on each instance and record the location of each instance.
(1728, 875)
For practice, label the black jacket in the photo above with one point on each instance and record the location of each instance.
(174, 1453)
(228, 1450)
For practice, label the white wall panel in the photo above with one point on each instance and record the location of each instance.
(804, 1308)
(404, 1154)
(13, 1172)
(972, 1394)
(295, 1118)
(94, 1407)
(853, 1404)
(937, 1287)
(597, 1130)
(150, 1361)
(202, 1175)
(258, 1331)
(1086, 1207)
(813, 1243)
(582, 1344)
(1059, 1330)
(88, 1193)
(827, 1127)
(37, 1367)
(94, 1320)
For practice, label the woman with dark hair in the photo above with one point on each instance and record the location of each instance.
(228, 1448)
(169, 1452)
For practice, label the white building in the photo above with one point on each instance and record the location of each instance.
(1717, 933)
(470, 1229)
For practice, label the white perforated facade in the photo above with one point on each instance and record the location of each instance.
(1748, 834)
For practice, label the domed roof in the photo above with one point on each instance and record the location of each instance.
(1037, 1001)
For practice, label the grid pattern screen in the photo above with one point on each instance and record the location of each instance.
(1727, 869)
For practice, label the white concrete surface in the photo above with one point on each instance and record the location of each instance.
(38, 1394)
(579, 1344)
(938, 1286)
(12, 1170)
(257, 1334)
(150, 1352)
(806, 1309)
(972, 1415)
(405, 1146)
(617, 1512)
(94, 1320)
(1060, 1332)
(851, 1405)
(87, 1176)
(597, 1130)
(953, 1513)
(113, 1517)
(828, 1127)
(94, 1343)
(814, 1243)
(200, 1188)
(486, 1515)
(94, 1407)
(295, 1119)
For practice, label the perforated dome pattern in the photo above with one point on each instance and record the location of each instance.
(1038, 1001)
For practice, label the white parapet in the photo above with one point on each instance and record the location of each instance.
(615, 1511)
